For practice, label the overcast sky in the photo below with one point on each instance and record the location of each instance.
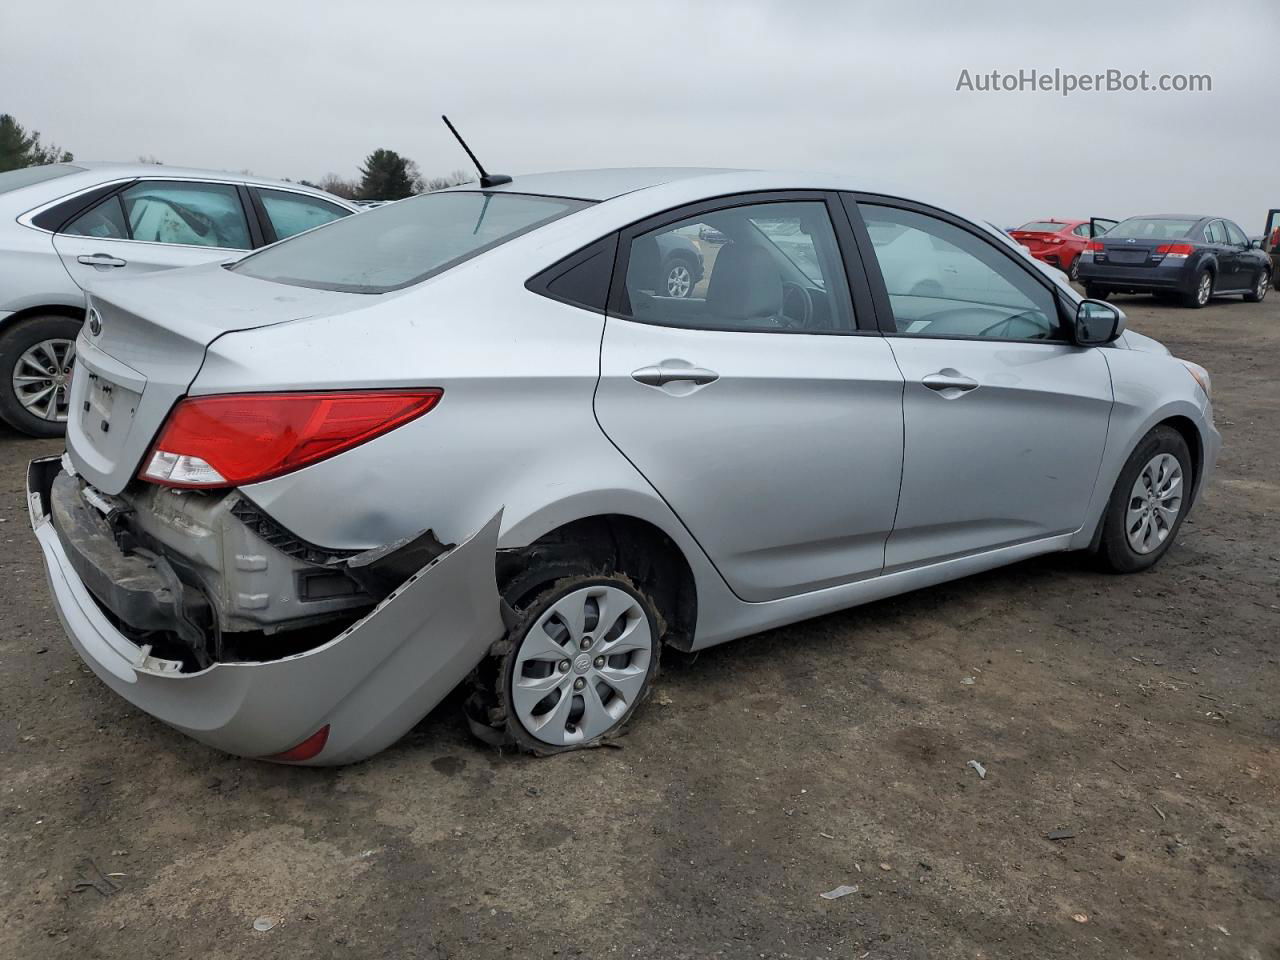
(298, 90)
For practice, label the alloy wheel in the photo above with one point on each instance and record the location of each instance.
(1205, 290)
(1154, 503)
(42, 378)
(1264, 280)
(582, 665)
(679, 281)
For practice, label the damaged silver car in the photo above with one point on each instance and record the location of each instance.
(472, 438)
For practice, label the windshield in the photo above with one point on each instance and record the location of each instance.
(403, 243)
(26, 176)
(1150, 228)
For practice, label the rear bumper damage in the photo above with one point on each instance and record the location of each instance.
(437, 613)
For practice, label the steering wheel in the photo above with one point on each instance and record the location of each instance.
(805, 298)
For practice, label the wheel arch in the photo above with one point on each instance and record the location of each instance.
(1187, 428)
(629, 544)
(70, 311)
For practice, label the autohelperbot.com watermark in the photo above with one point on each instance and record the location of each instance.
(1065, 82)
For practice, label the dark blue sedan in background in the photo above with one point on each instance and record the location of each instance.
(1184, 257)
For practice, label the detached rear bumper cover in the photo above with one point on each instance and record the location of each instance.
(370, 684)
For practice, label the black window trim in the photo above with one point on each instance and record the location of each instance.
(880, 292)
(859, 302)
(540, 283)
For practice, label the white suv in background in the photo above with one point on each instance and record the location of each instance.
(66, 225)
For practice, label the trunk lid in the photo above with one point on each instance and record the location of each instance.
(1131, 252)
(152, 335)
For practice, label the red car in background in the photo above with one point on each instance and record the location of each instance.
(1059, 242)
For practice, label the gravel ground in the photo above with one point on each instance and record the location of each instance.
(1138, 713)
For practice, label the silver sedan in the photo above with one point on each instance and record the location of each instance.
(474, 438)
(65, 226)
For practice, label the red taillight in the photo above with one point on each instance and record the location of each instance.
(235, 439)
(307, 749)
(1094, 246)
(1175, 249)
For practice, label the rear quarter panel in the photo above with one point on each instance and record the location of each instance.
(515, 428)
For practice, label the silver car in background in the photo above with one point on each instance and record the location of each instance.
(65, 226)
(473, 437)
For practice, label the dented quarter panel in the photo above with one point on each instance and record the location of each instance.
(370, 683)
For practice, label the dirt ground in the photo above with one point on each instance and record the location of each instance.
(1139, 713)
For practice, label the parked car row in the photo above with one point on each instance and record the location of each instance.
(65, 226)
(552, 458)
(1186, 258)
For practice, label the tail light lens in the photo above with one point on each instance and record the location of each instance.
(1093, 246)
(235, 439)
(1178, 251)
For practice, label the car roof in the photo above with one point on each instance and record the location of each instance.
(1174, 216)
(601, 184)
(108, 170)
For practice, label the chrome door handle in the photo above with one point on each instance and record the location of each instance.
(660, 375)
(100, 260)
(949, 380)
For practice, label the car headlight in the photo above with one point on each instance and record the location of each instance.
(1201, 376)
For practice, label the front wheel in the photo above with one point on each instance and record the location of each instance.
(37, 357)
(677, 278)
(1148, 503)
(1260, 285)
(578, 660)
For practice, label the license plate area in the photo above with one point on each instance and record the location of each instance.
(1127, 256)
(106, 410)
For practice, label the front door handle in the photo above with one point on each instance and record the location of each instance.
(949, 383)
(100, 260)
(666, 372)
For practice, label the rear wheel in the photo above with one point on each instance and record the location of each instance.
(1094, 292)
(37, 357)
(1201, 293)
(1073, 271)
(1147, 505)
(1260, 285)
(579, 658)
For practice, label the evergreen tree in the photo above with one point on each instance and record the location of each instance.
(21, 149)
(386, 176)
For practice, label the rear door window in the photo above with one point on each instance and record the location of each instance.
(105, 221)
(193, 214)
(765, 267)
(291, 213)
(1217, 232)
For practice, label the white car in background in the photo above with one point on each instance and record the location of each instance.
(66, 225)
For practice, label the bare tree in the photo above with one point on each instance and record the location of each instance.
(454, 179)
(332, 183)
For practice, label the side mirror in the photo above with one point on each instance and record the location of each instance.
(1097, 323)
(1255, 243)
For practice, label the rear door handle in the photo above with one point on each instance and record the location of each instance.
(949, 383)
(100, 260)
(663, 373)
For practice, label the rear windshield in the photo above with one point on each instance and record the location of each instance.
(404, 243)
(1147, 228)
(26, 176)
(1042, 226)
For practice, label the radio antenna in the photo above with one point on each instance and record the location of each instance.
(486, 179)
